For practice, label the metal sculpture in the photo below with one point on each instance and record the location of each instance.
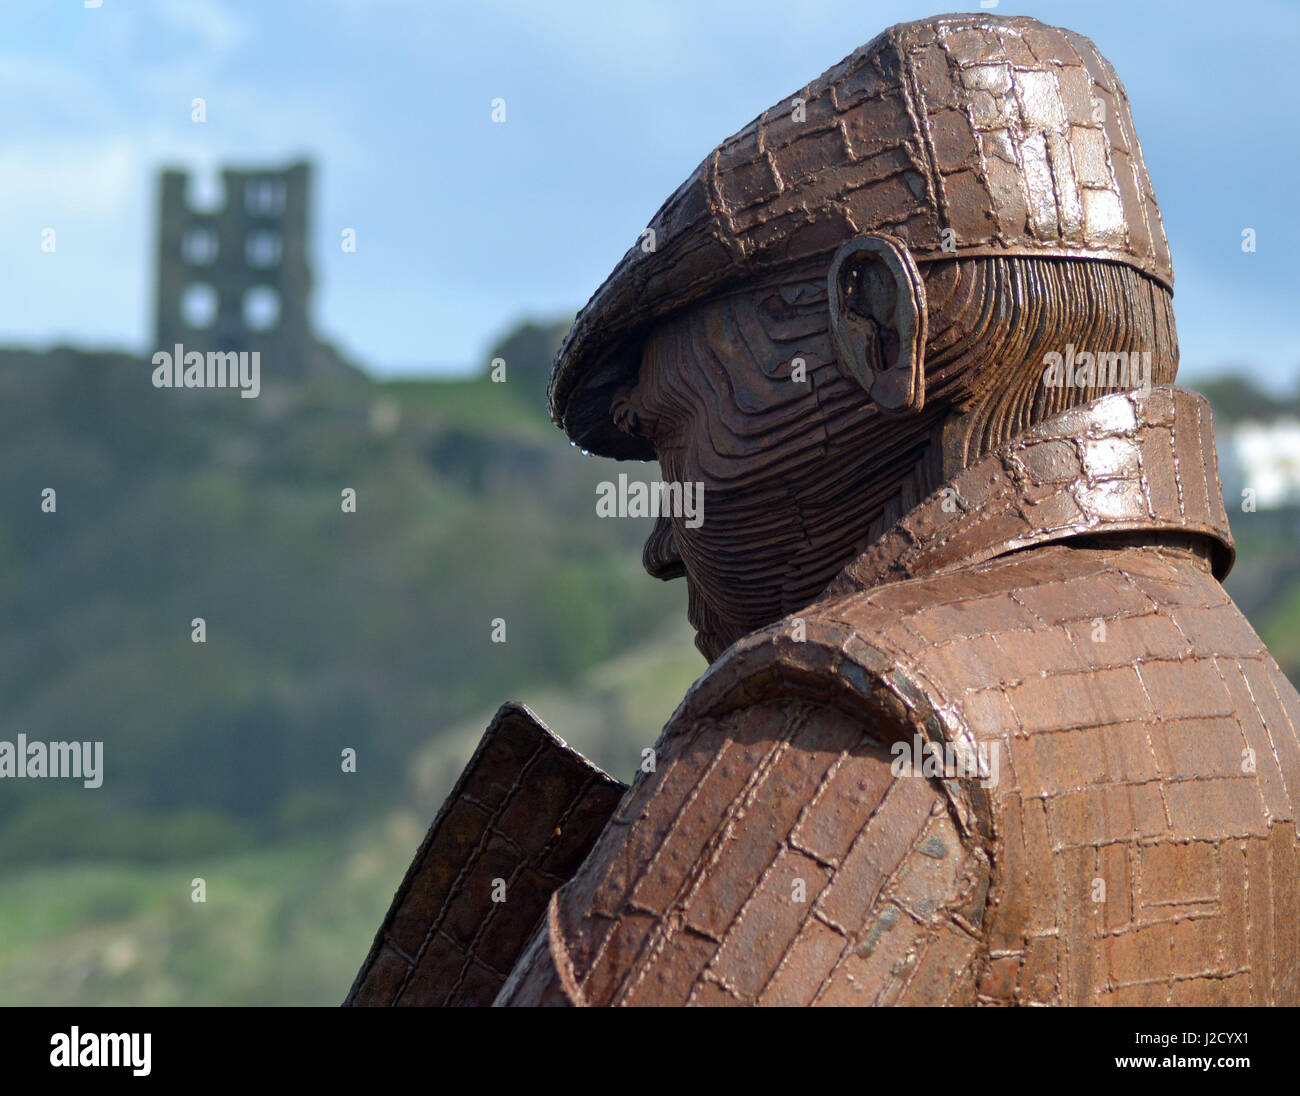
(981, 724)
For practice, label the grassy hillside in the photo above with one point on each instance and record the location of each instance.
(288, 923)
(325, 630)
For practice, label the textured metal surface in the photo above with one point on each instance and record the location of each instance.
(1122, 464)
(1127, 854)
(525, 812)
(963, 135)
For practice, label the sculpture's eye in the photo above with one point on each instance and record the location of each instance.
(626, 415)
(774, 308)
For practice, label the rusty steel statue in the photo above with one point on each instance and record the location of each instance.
(981, 725)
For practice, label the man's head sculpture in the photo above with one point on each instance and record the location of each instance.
(852, 299)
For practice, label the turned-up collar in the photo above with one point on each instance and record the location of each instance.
(1120, 464)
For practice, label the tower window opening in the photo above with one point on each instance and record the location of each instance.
(199, 306)
(264, 197)
(261, 308)
(199, 247)
(262, 249)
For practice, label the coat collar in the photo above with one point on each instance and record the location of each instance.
(1125, 463)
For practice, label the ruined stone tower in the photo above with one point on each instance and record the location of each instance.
(238, 278)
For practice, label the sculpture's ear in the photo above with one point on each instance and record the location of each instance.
(877, 306)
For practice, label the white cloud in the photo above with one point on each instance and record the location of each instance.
(83, 178)
(219, 28)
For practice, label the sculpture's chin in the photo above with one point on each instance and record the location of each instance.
(712, 635)
(709, 646)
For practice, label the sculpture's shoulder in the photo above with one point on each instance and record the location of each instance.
(773, 852)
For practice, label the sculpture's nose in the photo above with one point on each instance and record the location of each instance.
(659, 557)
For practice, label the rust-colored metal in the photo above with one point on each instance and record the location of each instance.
(981, 725)
(522, 817)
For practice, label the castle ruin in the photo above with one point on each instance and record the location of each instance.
(238, 278)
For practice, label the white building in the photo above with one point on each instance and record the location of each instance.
(1263, 457)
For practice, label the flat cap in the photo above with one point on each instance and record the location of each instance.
(962, 135)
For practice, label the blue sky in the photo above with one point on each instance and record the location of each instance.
(464, 226)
